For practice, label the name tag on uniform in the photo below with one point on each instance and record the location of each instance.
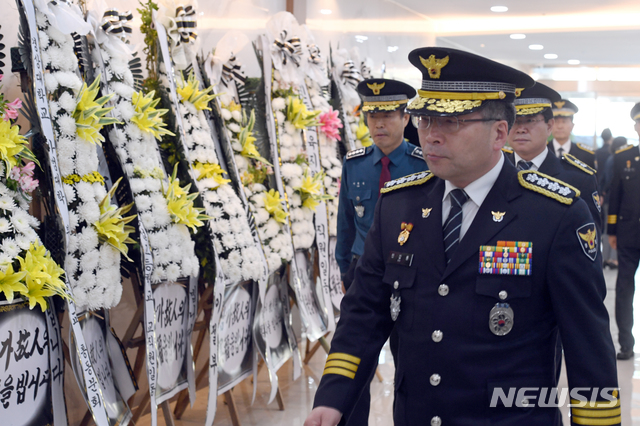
(398, 258)
(507, 258)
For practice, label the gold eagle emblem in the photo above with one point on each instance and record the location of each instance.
(376, 87)
(589, 237)
(426, 212)
(519, 91)
(559, 104)
(433, 65)
(498, 216)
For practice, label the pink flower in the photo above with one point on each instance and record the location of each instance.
(1, 76)
(28, 184)
(28, 169)
(15, 173)
(329, 125)
(11, 112)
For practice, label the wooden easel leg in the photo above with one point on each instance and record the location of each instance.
(166, 411)
(233, 410)
(86, 419)
(379, 375)
(141, 408)
(322, 341)
(280, 400)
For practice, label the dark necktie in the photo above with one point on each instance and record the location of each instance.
(560, 152)
(524, 165)
(451, 230)
(385, 175)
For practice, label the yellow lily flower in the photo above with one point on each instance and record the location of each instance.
(298, 114)
(208, 170)
(10, 282)
(180, 203)
(12, 143)
(310, 189)
(190, 92)
(363, 134)
(233, 106)
(147, 117)
(273, 204)
(111, 226)
(41, 277)
(90, 114)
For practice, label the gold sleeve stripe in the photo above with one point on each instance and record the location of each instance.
(340, 372)
(344, 357)
(342, 364)
(612, 219)
(598, 404)
(597, 422)
(596, 413)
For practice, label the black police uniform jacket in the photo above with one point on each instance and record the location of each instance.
(624, 200)
(581, 152)
(577, 174)
(449, 378)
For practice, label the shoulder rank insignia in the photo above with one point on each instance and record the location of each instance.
(579, 164)
(507, 149)
(546, 185)
(417, 152)
(624, 148)
(585, 148)
(433, 65)
(588, 238)
(356, 153)
(410, 180)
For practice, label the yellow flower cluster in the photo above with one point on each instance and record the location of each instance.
(273, 204)
(12, 143)
(310, 189)
(247, 140)
(190, 92)
(112, 226)
(91, 178)
(156, 172)
(37, 279)
(147, 117)
(208, 170)
(90, 114)
(362, 133)
(298, 114)
(180, 203)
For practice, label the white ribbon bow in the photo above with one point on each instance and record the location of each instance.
(181, 28)
(64, 16)
(111, 29)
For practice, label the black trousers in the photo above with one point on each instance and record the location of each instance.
(628, 259)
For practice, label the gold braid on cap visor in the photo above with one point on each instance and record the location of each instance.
(450, 102)
(383, 106)
(635, 117)
(531, 109)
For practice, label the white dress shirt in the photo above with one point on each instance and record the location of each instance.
(565, 146)
(477, 192)
(537, 160)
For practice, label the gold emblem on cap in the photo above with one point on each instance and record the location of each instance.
(426, 212)
(519, 91)
(498, 216)
(559, 104)
(433, 65)
(376, 87)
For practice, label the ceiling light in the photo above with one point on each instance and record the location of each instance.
(482, 45)
(517, 36)
(361, 38)
(536, 47)
(325, 11)
(550, 56)
(573, 62)
(392, 49)
(499, 9)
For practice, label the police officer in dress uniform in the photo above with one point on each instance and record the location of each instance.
(623, 227)
(563, 112)
(478, 266)
(366, 169)
(529, 150)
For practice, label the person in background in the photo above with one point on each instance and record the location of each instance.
(605, 175)
(604, 151)
(563, 112)
(623, 221)
(364, 172)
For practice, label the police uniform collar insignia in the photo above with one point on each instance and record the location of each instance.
(375, 87)
(498, 216)
(434, 65)
(417, 152)
(360, 210)
(588, 238)
(406, 229)
(596, 200)
(549, 186)
(579, 164)
(356, 153)
(426, 212)
(410, 180)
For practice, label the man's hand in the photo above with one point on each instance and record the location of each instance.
(323, 416)
(613, 242)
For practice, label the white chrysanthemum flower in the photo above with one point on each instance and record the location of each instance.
(278, 104)
(261, 216)
(67, 102)
(280, 117)
(19, 222)
(5, 226)
(50, 82)
(237, 115)
(70, 265)
(89, 212)
(334, 173)
(271, 228)
(122, 90)
(292, 130)
(126, 110)
(133, 130)
(67, 125)
(153, 185)
(69, 79)
(85, 191)
(226, 114)
(88, 239)
(225, 99)
(137, 185)
(10, 247)
(109, 256)
(7, 203)
(158, 274)
(173, 272)
(290, 170)
(89, 260)
(143, 203)
(23, 242)
(229, 240)
(148, 220)
(294, 200)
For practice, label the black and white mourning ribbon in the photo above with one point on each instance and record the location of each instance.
(351, 74)
(314, 54)
(186, 23)
(117, 23)
(232, 71)
(290, 49)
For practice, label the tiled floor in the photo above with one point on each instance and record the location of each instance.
(298, 395)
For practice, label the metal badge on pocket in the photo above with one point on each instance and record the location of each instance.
(501, 319)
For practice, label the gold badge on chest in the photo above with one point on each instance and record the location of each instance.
(405, 232)
(426, 212)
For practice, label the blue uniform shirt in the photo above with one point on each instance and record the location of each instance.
(359, 193)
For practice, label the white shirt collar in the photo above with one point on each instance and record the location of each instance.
(537, 160)
(566, 147)
(479, 188)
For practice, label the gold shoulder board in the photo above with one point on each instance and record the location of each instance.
(624, 148)
(546, 185)
(410, 180)
(585, 148)
(579, 164)
(507, 149)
